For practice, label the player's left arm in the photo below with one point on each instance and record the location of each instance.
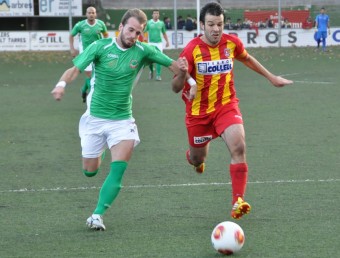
(165, 35)
(329, 27)
(105, 34)
(104, 31)
(252, 63)
(166, 39)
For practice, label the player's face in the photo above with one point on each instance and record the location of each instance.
(91, 14)
(213, 29)
(155, 15)
(130, 32)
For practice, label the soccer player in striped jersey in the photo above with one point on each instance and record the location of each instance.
(108, 121)
(89, 30)
(214, 111)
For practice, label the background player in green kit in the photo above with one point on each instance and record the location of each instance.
(89, 30)
(108, 121)
(156, 28)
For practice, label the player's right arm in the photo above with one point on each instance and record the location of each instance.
(80, 63)
(316, 23)
(68, 76)
(180, 69)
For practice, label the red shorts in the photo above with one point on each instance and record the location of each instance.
(202, 129)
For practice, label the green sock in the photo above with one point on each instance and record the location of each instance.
(158, 69)
(90, 174)
(87, 85)
(151, 67)
(111, 186)
(93, 173)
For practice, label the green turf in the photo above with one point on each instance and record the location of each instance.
(165, 209)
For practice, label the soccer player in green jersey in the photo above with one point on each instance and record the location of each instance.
(89, 30)
(156, 28)
(108, 121)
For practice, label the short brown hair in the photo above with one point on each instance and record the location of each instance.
(136, 13)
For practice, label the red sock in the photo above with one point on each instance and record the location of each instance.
(239, 176)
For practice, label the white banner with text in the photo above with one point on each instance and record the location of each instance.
(60, 7)
(16, 8)
(59, 40)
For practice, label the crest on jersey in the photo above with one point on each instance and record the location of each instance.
(227, 52)
(133, 64)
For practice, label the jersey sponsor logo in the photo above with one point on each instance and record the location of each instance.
(215, 67)
(113, 63)
(114, 56)
(202, 139)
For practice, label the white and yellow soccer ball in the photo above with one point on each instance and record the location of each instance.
(227, 238)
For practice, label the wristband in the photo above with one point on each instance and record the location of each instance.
(61, 84)
(191, 82)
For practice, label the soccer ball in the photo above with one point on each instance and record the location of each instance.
(227, 238)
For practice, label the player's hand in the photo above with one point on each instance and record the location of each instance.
(182, 63)
(191, 94)
(279, 81)
(167, 44)
(74, 52)
(329, 32)
(58, 93)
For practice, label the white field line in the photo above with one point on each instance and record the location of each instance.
(311, 82)
(290, 74)
(81, 188)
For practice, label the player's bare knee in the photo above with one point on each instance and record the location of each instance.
(91, 164)
(238, 150)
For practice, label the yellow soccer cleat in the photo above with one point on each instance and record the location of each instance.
(240, 208)
(200, 168)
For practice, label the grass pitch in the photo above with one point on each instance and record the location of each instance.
(164, 208)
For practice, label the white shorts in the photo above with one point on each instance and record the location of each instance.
(158, 45)
(98, 134)
(89, 67)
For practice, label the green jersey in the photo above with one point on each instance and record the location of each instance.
(155, 30)
(116, 71)
(88, 33)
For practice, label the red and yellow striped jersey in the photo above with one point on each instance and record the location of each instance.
(212, 68)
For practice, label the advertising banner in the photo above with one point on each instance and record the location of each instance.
(59, 40)
(16, 8)
(59, 7)
(295, 17)
(268, 37)
(50, 41)
(14, 41)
